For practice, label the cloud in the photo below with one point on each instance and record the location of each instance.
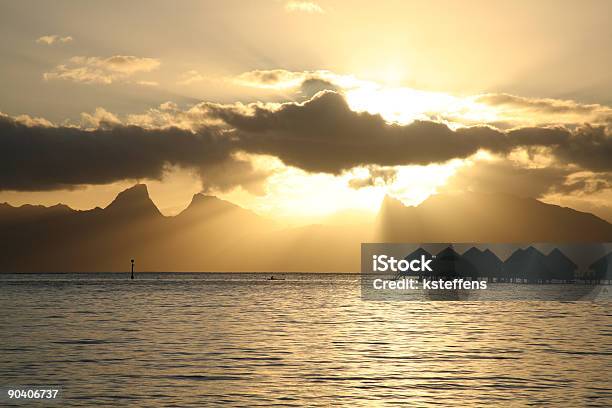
(271, 79)
(284, 79)
(518, 109)
(325, 135)
(38, 158)
(32, 121)
(101, 70)
(544, 105)
(236, 171)
(169, 106)
(377, 176)
(190, 77)
(99, 119)
(53, 39)
(585, 183)
(589, 147)
(304, 7)
(311, 86)
(405, 105)
(168, 115)
(321, 135)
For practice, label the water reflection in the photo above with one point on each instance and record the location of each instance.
(308, 340)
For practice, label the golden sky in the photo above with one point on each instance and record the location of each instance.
(299, 110)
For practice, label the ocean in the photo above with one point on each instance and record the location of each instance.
(187, 339)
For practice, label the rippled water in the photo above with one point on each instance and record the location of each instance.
(201, 339)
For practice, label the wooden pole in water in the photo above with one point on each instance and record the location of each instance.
(132, 277)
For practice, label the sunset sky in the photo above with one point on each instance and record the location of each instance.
(299, 109)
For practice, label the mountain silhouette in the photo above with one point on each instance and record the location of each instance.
(215, 235)
(479, 217)
(58, 238)
(209, 212)
(133, 202)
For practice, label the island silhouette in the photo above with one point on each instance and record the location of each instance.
(215, 235)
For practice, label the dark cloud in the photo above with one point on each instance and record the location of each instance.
(324, 135)
(36, 158)
(589, 147)
(589, 184)
(320, 135)
(230, 173)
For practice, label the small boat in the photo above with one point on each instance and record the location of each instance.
(273, 278)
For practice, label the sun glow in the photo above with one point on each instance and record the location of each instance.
(291, 193)
(404, 105)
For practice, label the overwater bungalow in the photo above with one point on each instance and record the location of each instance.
(449, 264)
(601, 270)
(526, 265)
(486, 262)
(560, 266)
(416, 255)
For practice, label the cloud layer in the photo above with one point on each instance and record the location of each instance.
(320, 135)
(404, 105)
(325, 135)
(36, 158)
(101, 70)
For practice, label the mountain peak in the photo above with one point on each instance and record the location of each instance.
(207, 205)
(201, 198)
(139, 188)
(390, 204)
(135, 200)
(207, 211)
